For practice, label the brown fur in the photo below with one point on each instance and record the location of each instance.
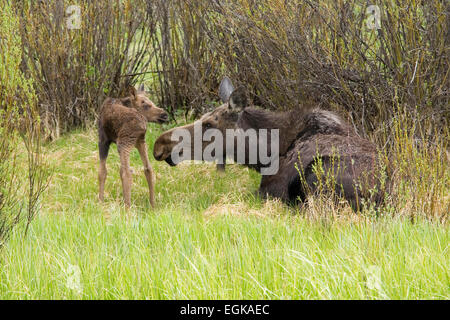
(124, 122)
(306, 135)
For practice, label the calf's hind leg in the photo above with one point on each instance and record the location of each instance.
(124, 149)
(142, 147)
(102, 172)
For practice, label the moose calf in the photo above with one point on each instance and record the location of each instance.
(124, 122)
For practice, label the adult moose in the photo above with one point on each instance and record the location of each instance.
(307, 137)
(124, 122)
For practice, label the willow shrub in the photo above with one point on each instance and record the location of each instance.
(187, 68)
(339, 54)
(20, 186)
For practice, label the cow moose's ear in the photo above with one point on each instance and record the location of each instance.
(238, 99)
(142, 88)
(225, 89)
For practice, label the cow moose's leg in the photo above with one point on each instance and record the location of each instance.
(102, 172)
(125, 148)
(274, 186)
(344, 184)
(142, 148)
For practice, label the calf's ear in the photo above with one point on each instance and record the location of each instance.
(132, 91)
(126, 102)
(142, 88)
(238, 99)
(225, 89)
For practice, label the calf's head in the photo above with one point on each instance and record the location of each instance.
(222, 118)
(139, 100)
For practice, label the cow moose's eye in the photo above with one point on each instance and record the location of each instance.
(208, 125)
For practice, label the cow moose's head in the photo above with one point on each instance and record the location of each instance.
(222, 118)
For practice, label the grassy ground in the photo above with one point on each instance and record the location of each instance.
(208, 238)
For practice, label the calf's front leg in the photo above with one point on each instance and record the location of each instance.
(142, 148)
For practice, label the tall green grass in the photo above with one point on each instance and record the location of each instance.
(208, 238)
